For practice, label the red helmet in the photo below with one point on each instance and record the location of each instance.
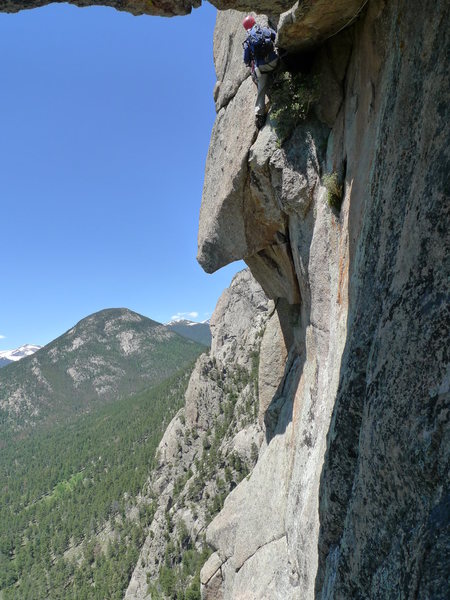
(248, 22)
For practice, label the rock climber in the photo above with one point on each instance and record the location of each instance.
(260, 55)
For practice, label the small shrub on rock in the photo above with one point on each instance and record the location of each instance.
(292, 96)
(334, 190)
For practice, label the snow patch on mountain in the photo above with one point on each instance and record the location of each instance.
(18, 353)
(186, 322)
(198, 332)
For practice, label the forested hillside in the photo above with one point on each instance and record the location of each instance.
(80, 422)
(71, 518)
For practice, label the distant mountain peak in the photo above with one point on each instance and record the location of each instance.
(181, 321)
(111, 354)
(119, 314)
(187, 322)
(18, 353)
(199, 332)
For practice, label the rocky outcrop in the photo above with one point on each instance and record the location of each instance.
(212, 443)
(349, 497)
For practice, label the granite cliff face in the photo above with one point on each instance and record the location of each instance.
(349, 497)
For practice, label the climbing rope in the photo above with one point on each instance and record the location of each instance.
(350, 22)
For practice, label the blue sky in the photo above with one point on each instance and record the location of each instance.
(105, 122)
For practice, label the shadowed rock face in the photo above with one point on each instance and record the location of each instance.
(349, 497)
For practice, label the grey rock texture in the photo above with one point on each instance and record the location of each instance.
(231, 335)
(350, 494)
(227, 48)
(214, 438)
(222, 232)
(308, 23)
(272, 363)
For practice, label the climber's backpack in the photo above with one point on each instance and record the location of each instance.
(260, 42)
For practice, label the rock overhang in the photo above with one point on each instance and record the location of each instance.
(163, 8)
(301, 24)
(310, 23)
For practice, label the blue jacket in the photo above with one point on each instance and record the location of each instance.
(248, 55)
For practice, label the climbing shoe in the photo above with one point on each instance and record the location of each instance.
(260, 121)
